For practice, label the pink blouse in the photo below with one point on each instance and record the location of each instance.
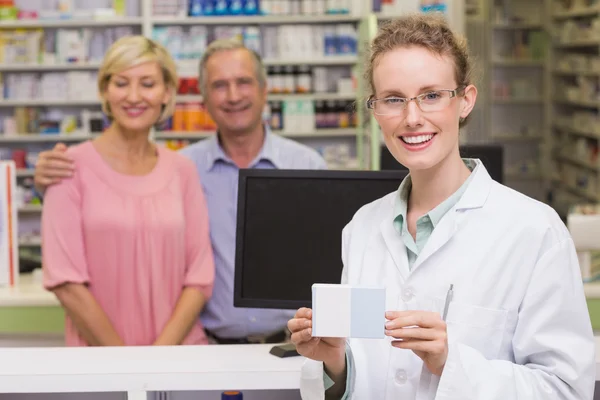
(136, 241)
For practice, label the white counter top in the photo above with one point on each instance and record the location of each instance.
(27, 293)
(129, 369)
(140, 369)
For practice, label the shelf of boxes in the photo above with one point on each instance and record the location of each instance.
(576, 101)
(50, 90)
(518, 97)
(255, 20)
(48, 64)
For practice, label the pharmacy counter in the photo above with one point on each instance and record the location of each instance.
(30, 315)
(138, 370)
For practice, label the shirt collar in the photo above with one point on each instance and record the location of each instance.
(435, 215)
(268, 152)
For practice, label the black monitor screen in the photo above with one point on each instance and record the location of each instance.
(289, 230)
(491, 155)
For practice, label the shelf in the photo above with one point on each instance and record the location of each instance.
(25, 173)
(317, 133)
(320, 133)
(48, 67)
(582, 73)
(579, 192)
(326, 60)
(312, 96)
(283, 97)
(578, 162)
(534, 101)
(576, 131)
(68, 23)
(507, 62)
(30, 208)
(33, 137)
(582, 43)
(48, 103)
(517, 138)
(30, 242)
(255, 19)
(518, 26)
(579, 103)
(581, 12)
(525, 176)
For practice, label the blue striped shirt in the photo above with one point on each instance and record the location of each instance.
(219, 177)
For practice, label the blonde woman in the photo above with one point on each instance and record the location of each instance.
(484, 294)
(126, 247)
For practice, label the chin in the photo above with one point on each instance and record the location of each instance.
(137, 127)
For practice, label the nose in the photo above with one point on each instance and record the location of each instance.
(133, 94)
(233, 94)
(413, 115)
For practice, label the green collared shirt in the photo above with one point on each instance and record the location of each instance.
(426, 223)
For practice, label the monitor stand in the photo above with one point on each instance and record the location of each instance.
(284, 350)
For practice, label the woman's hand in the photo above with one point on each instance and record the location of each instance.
(422, 332)
(331, 351)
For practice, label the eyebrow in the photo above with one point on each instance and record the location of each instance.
(426, 88)
(143, 77)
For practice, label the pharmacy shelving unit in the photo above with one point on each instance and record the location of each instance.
(144, 24)
(517, 76)
(29, 215)
(575, 103)
(318, 138)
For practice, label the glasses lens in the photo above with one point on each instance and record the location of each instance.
(435, 101)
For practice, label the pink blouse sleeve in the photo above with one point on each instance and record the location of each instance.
(63, 252)
(200, 269)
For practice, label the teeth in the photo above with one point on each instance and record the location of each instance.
(416, 139)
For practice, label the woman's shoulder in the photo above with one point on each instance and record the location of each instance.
(80, 151)
(525, 213)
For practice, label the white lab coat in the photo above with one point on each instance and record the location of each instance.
(518, 326)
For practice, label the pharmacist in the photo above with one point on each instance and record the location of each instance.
(233, 85)
(484, 294)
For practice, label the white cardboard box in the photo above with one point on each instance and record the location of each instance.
(346, 311)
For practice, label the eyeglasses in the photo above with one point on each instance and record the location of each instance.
(435, 100)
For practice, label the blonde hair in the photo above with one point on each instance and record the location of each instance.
(427, 30)
(228, 45)
(130, 51)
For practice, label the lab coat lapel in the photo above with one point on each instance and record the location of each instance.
(395, 246)
(474, 197)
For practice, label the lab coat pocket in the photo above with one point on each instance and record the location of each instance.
(477, 327)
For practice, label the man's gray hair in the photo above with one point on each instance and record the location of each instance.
(227, 45)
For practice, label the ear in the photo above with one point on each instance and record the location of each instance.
(169, 93)
(468, 100)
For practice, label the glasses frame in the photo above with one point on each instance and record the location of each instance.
(453, 93)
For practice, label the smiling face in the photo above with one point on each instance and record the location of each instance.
(420, 140)
(234, 96)
(136, 96)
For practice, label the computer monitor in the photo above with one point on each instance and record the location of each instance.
(289, 230)
(491, 155)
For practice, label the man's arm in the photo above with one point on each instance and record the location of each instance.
(52, 167)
